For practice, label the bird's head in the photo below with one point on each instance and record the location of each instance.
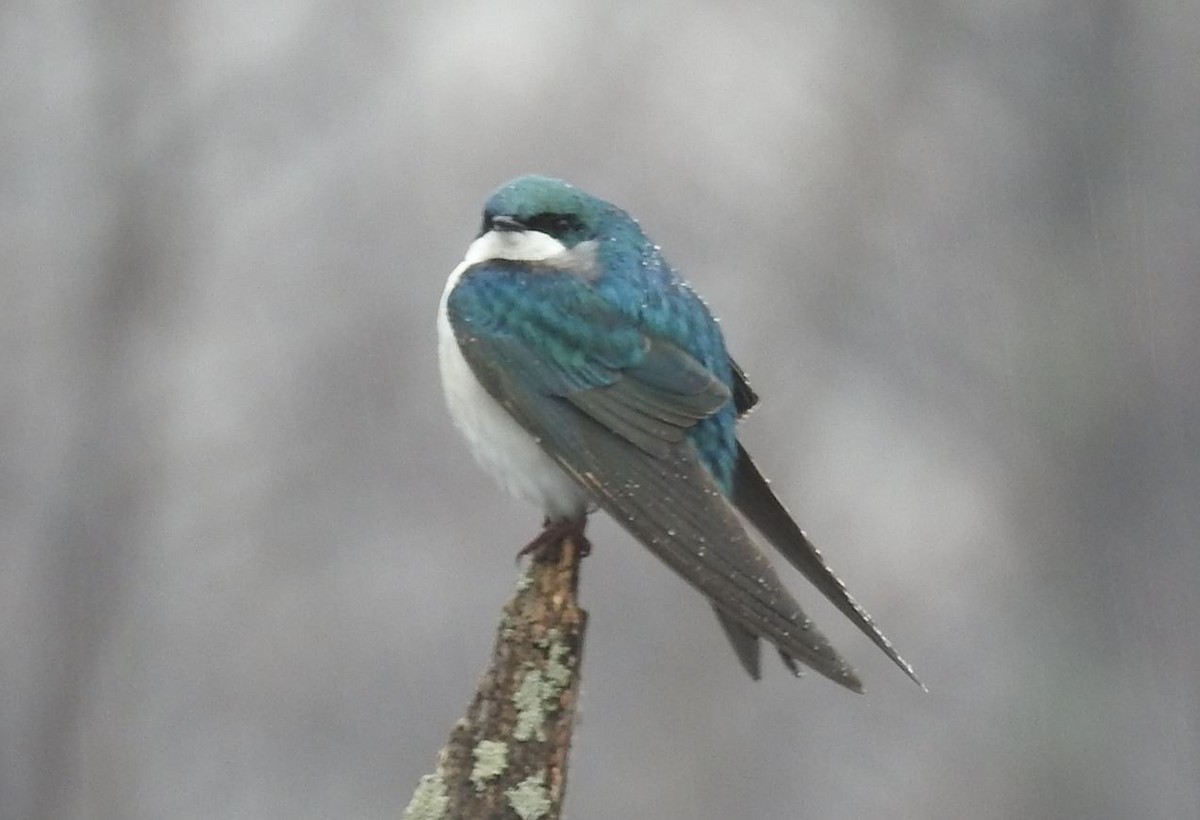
(539, 219)
(537, 204)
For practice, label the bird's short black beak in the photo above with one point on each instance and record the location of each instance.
(501, 222)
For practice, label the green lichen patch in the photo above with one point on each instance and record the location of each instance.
(558, 673)
(529, 798)
(491, 756)
(538, 694)
(430, 800)
(531, 713)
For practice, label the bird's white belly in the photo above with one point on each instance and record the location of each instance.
(501, 446)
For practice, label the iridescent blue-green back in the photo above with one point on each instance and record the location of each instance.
(638, 280)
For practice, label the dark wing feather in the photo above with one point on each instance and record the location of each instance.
(753, 496)
(653, 404)
(744, 642)
(670, 503)
(744, 397)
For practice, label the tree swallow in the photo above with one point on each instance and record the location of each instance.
(585, 373)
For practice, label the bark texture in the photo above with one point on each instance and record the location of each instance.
(507, 757)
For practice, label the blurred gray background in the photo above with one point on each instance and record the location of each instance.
(248, 570)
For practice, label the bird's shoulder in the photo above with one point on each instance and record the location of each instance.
(549, 308)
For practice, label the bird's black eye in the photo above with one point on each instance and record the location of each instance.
(556, 225)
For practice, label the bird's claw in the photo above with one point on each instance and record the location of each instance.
(547, 545)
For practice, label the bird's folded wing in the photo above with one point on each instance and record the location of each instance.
(613, 411)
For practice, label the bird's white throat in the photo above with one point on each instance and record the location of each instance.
(518, 246)
(501, 446)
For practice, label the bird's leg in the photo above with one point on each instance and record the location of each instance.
(546, 546)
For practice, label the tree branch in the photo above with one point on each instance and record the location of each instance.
(507, 758)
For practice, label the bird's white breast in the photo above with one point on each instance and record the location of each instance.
(501, 446)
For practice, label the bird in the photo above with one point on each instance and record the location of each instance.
(585, 373)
